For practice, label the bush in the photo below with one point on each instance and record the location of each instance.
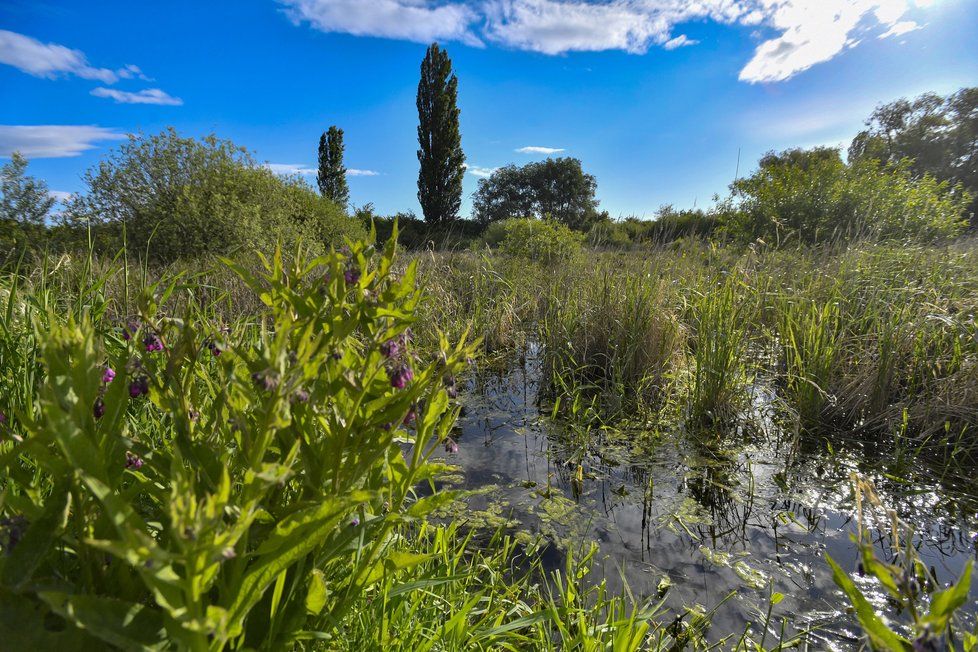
(178, 197)
(812, 196)
(540, 240)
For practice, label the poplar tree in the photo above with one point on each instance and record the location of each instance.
(440, 153)
(332, 174)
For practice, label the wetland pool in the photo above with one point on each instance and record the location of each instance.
(750, 513)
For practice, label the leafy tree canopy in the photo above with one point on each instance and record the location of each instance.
(24, 207)
(556, 188)
(332, 175)
(442, 162)
(938, 134)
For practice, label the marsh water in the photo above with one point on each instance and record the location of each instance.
(725, 523)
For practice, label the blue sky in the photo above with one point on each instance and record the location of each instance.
(656, 97)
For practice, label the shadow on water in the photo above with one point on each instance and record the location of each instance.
(745, 512)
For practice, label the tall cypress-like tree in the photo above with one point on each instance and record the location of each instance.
(440, 153)
(332, 174)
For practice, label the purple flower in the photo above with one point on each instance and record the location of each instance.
(213, 347)
(390, 349)
(351, 274)
(133, 461)
(410, 416)
(139, 386)
(99, 409)
(451, 446)
(265, 380)
(3, 419)
(401, 376)
(108, 375)
(450, 388)
(152, 343)
(129, 330)
(355, 522)
(194, 415)
(301, 395)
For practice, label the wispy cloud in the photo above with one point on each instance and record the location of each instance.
(305, 170)
(53, 141)
(680, 41)
(539, 150)
(815, 32)
(901, 28)
(60, 196)
(133, 72)
(147, 96)
(805, 32)
(51, 60)
(291, 168)
(478, 171)
(410, 20)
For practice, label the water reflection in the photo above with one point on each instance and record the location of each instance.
(750, 512)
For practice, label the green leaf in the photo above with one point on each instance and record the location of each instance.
(293, 538)
(38, 540)
(879, 634)
(944, 603)
(125, 625)
(317, 594)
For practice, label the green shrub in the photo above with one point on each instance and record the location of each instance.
(540, 240)
(178, 197)
(813, 196)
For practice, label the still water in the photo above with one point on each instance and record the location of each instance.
(750, 515)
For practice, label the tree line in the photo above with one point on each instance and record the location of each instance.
(912, 172)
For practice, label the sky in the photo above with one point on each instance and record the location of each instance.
(663, 101)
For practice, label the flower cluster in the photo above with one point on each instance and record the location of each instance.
(152, 343)
(139, 387)
(133, 461)
(266, 380)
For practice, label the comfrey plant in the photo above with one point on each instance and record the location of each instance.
(176, 487)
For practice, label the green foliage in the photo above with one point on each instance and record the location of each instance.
(332, 175)
(440, 143)
(224, 490)
(540, 240)
(939, 136)
(24, 207)
(174, 197)
(813, 197)
(556, 189)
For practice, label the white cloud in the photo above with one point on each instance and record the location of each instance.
(146, 96)
(410, 20)
(60, 196)
(901, 28)
(132, 72)
(554, 27)
(50, 60)
(539, 150)
(53, 141)
(298, 168)
(290, 168)
(814, 32)
(680, 41)
(478, 171)
(806, 32)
